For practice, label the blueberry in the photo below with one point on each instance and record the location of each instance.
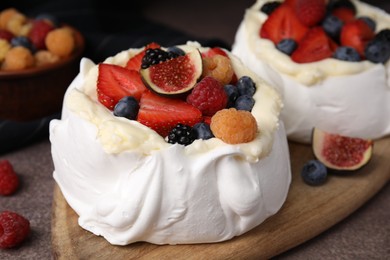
(287, 46)
(49, 17)
(377, 50)
(269, 7)
(127, 107)
(232, 93)
(332, 26)
(346, 53)
(244, 102)
(246, 86)
(202, 131)
(314, 172)
(23, 41)
(369, 21)
(175, 51)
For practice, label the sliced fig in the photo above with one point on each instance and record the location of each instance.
(341, 153)
(175, 76)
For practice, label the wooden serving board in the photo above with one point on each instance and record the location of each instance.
(307, 212)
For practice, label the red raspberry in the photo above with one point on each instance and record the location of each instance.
(9, 181)
(38, 33)
(14, 229)
(208, 96)
(6, 35)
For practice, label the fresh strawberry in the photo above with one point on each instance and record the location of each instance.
(214, 51)
(115, 82)
(9, 181)
(310, 12)
(345, 14)
(356, 34)
(134, 63)
(39, 30)
(283, 24)
(315, 46)
(162, 114)
(291, 3)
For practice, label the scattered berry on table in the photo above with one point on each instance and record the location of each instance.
(208, 96)
(314, 172)
(181, 134)
(202, 131)
(127, 107)
(9, 180)
(234, 126)
(14, 229)
(346, 53)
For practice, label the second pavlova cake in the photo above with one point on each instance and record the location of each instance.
(170, 145)
(330, 60)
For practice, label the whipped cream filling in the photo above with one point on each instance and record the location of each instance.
(128, 184)
(348, 98)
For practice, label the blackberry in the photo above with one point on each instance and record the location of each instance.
(269, 7)
(155, 56)
(181, 134)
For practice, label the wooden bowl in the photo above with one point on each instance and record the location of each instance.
(38, 92)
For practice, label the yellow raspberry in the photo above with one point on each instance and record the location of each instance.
(6, 15)
(234, 126)
(4, 48)
(16, 23)
(44, 57)
(18, 58)
(218, 67)
(60, 41)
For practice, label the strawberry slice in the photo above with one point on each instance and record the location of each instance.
(310, 12)
(356, 34)
(162, 114)
(345, 14)
(281, 24)
(115, 82)
(315, 46)
(135, 62)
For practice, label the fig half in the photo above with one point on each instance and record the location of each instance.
(341, 153)
(175, 76)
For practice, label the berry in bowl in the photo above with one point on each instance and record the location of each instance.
(38, 59)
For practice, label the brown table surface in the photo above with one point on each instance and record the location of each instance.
(363, 235)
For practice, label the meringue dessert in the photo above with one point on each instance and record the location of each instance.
(141, 158)
(329, 59)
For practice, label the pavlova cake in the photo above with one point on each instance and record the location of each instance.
(170, 145)
(330, 60)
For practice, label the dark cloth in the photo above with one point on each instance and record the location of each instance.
(108, 28)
